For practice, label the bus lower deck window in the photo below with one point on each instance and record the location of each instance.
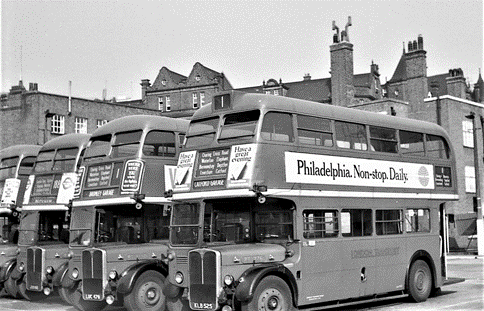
(356, 222)
(388, 222)
(417, 220)
(320, 224)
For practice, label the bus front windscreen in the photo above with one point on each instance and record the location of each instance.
(184, 224)
(44, 227)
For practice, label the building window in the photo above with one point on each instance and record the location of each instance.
(81, 125)
(57, 124)
(163, 82)
(167, 103)
(470, 178)
(197, 78)
(202, 98)
(268, 92)
(276, 92)
(101, 123)
(468, 133)
(195, 100)
(160, 103)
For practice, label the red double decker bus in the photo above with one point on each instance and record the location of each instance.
(281, 204)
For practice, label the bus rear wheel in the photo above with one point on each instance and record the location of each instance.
(419, 281)
(147, 293)
(272, 294)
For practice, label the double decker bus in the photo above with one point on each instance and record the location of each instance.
(283, 204)
(119, 225)
(44, 220)
(15, 165)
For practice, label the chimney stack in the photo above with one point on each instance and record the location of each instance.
(145, 84)
(456, 83)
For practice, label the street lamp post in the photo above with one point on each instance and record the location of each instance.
(479, 220)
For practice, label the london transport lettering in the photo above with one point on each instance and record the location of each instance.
(322, 169)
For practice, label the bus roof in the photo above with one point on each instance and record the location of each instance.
(18, 150)
(249, 101)
(67, 141)
(140, 122)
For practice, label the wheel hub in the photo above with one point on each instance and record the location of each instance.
(149, 294)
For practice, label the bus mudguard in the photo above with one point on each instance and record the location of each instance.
(252, 277)
(67, 282)
(421, 254)
(7, 269)
(16, 274)
(60, 274)
(130, 275)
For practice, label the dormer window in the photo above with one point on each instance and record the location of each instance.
(163, 82)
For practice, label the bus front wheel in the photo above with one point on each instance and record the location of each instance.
(147, 293)
(419, 281)
(272, 294)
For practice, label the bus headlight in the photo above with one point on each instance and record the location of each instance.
(179, 277)
(75, 273)
(113, 275)
(49, 270)
(228, 280)
(171, 256)
(21, 267)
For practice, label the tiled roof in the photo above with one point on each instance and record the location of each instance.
(400, 73)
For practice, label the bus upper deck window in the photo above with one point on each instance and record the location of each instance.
(239, 125)
(411, 143)
(44, 161)
(126, 144)
(26, 165)
(350, 135)
(8, 167)
(201, 132)
(99, 147)
(437, 147)
(314, 131)
(65, 159)
(383, 139)
(160, 144)
(277, 126)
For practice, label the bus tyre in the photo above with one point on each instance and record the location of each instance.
(147, 293)
(11, 288)
(30, 295)
(85, 305)
(66, 294)
(272, 294)
(419, 281)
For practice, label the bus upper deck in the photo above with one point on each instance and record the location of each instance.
(125, 155)
(16, 162)
(244, 143)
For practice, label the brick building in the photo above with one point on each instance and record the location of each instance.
(176, 95)
(33, 117)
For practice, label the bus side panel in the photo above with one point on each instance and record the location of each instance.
(321, 271)
(391, 262)
(358, 270)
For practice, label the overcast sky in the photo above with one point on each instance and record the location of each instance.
(115, 44)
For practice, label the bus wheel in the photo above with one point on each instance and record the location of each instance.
(147, 293)
(11, 288)
(30, 295)
(272, 294)
(419, 281)
(85, 305)
(66, 294)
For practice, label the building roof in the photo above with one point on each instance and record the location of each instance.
(318, 90)
(400, 73)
